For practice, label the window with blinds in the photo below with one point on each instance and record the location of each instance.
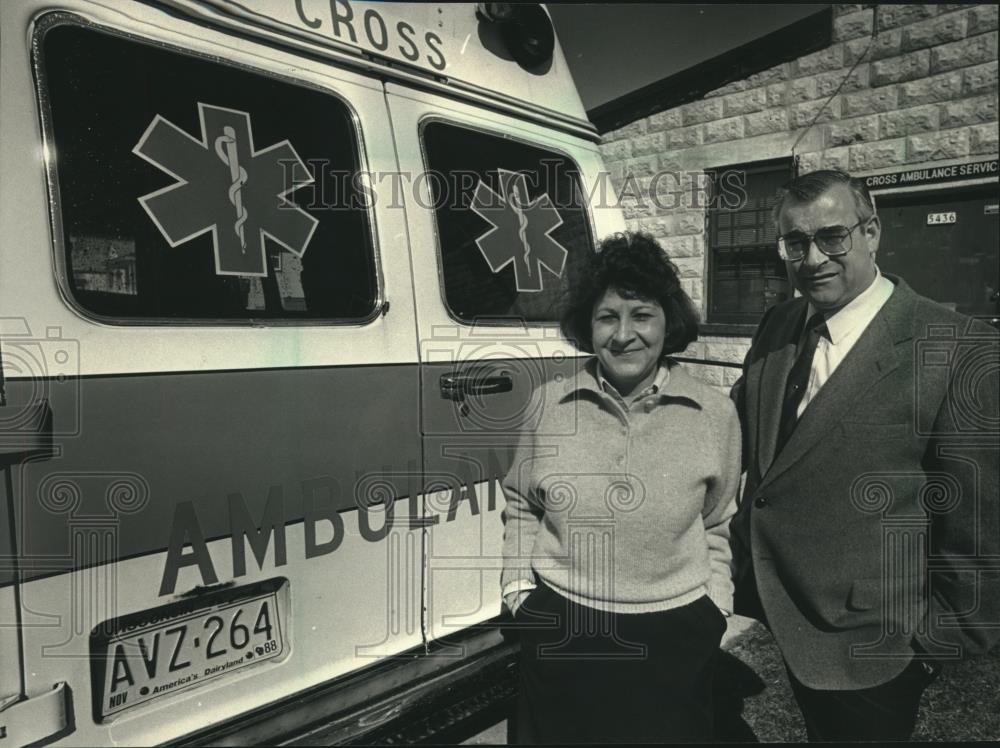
(745, 274)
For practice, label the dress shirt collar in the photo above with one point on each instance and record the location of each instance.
(857, 313)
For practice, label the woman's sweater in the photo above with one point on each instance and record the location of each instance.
(621, 507)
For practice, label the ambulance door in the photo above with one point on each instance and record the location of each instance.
(500, 223)
(219, 319)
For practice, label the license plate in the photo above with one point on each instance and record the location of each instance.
(175, 648)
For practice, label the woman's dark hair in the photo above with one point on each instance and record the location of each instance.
(636, 266)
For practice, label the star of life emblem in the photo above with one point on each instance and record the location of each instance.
(226, 187)
(519, 231)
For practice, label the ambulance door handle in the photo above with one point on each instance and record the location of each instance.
(456, 386)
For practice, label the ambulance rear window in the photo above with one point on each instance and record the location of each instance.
(512, 224)
(188, 189)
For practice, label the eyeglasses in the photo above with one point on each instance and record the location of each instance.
(830, 240)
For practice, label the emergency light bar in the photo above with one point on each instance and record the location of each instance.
(526, 30)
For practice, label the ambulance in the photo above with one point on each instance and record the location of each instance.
(279, 280)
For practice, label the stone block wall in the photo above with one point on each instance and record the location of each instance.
(924, 91)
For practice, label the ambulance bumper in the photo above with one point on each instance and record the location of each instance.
(411, 698)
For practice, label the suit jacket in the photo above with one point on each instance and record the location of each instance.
(877, 524)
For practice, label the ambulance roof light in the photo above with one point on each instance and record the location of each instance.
(526, 30)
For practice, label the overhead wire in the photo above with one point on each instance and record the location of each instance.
(840, 87)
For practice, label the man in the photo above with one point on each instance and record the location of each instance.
(867, 537)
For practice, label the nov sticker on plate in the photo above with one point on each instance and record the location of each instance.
(147, 655)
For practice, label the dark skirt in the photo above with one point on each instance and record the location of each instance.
(587, 676)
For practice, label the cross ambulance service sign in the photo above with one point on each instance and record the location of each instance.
(225, 186)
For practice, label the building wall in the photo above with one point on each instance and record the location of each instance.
(924, 93)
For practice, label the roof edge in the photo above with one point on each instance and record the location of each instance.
(810, 34)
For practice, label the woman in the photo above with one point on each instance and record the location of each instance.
(616, 538)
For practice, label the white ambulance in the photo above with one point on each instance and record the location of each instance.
(277, 281)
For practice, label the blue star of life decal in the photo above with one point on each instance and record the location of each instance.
(520, 231)
(226, 187)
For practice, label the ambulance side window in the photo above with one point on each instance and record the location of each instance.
(512, 224)
(192, 190)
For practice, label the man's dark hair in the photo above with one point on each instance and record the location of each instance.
(808, 187)
(636, 266)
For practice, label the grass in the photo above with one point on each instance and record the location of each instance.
(755, 702)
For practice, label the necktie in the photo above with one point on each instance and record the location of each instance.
(798, 377)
